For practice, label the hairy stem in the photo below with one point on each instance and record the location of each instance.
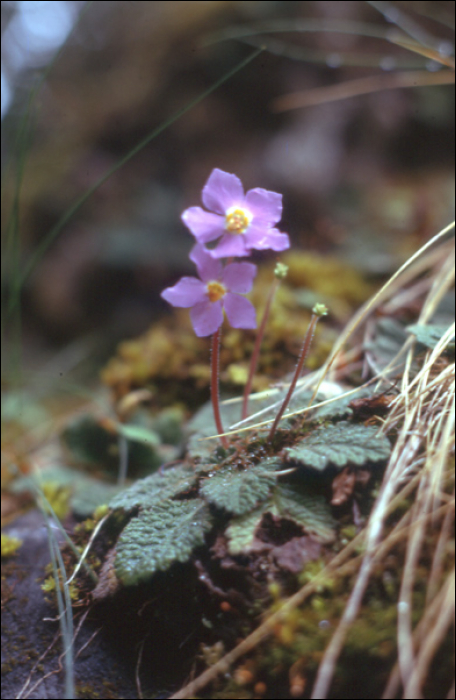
(215, 355)
(256, 350)
(304, 351)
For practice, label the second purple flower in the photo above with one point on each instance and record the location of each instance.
(218, 289)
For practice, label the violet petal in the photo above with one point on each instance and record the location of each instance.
(206, 317)
(208, 267)
(202, 224)
(231, 246)
(238, 277)
(260, 237)
(222, 191)
(239, 310)
(187, 292)
(277, 240)
(264, 205)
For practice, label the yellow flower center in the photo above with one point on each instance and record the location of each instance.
(215, 291)
(237, 220)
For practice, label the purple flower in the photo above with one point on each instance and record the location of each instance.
(244, 221)
(218, 289)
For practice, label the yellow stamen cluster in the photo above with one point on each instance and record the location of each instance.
(237, 221)
(215, 291)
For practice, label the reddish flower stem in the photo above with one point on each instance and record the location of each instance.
(256, 350)
(215, 356)
(304, 351)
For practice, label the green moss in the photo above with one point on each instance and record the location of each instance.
(374, 631)
(10, 545)
(301, 636)
(49, 587)
(59, 497)
(172, 362)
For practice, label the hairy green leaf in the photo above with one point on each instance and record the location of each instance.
(241, 531)
(305, 508)
(202, 425)
(159, 536)
(340, 444)
(89, 494)
(291, 502)
(147, 492)
(239, 491)
(340, 406)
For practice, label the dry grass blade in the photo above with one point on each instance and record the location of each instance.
(360, 86)
(420, 468)
(425, 425)
(425, 51)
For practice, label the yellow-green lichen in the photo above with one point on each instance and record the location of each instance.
(10, 545)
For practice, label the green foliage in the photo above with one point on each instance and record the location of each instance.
(241, 531)
(87, 440)
(167, 530)
(340, 444)
(178, 506)
(22, 408)
(390, 335)
(91, 443)
(159, 536)
(388, 338)
(168, 425)
(239, 491)
(340, 408)
(294, 502)
(90, 495)
(146, 493)
(303, 506)
(138, 433)
(202, 425)
(430, 335)
(85, 492)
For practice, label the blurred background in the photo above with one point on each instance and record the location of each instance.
(366, 178)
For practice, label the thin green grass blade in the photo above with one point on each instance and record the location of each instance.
(54, 232)
(11, 243)
(65, 611)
